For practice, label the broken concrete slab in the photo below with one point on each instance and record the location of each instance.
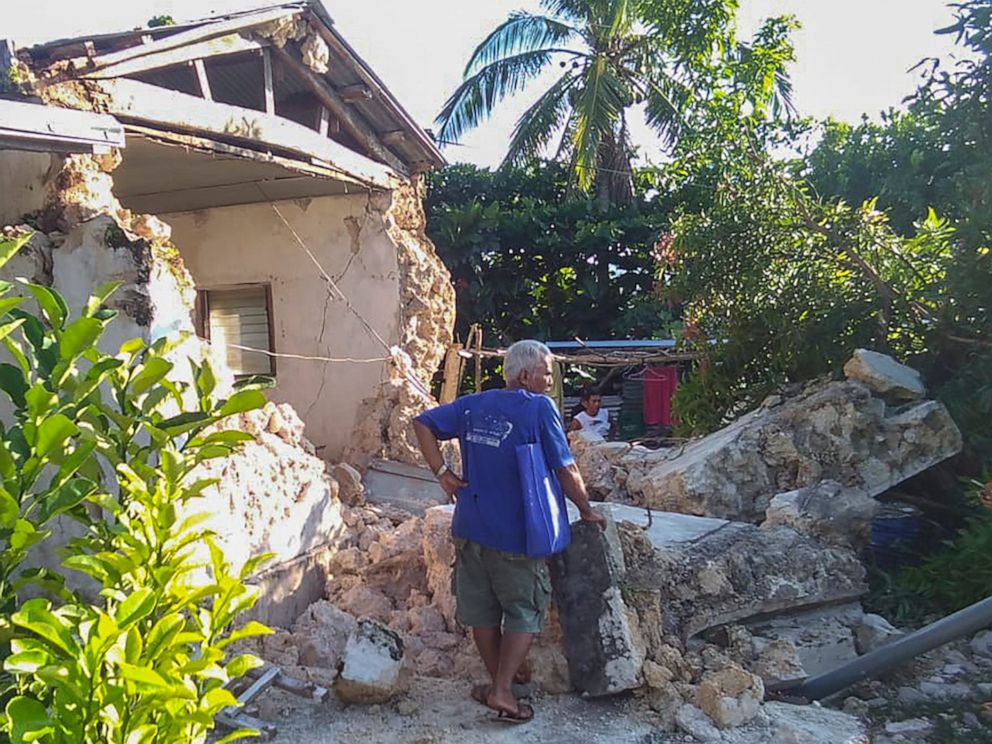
(675, 576)
(737, 572)
(832, 430)
(602, 644)
(323, 631)
(827, 511)
(823, 636)
(408, 487)
(884, 375)
(371, 665)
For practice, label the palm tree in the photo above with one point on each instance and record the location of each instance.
(613, 54)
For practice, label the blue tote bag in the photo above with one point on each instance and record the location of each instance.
(545, 515)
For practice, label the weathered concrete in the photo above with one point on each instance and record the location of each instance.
(604, 651)
(826, 511)
(372, 665)
(676, 578)
(885, 376)
(831, 431)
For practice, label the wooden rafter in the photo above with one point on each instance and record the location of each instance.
(184, 38)
(136, 101)
(229, 44)
(355, 93)
(351, 122)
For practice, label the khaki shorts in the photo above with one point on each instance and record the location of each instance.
(500, 590)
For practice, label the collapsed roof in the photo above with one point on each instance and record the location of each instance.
(277, 85)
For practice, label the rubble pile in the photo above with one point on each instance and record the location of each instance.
(852, 432)
(697, 616)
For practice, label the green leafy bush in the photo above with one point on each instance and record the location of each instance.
(111, 442)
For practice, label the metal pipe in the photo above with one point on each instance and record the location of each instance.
(964, 622)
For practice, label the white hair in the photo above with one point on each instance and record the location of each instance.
(523, 356)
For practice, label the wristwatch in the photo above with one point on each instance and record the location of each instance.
(441, 470)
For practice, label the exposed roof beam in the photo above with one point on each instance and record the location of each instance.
(208, 31)
(379, 91)
(350, 121)
(395, 137)
(33, 126)
(355, 93)
(202, 79)
(229, 44)
(141, 102)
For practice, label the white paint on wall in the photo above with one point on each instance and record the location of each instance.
(24, 181)
(227, 246)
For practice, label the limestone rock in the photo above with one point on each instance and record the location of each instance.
(372, 665)
(725, 572)
(322, 632)
(832, 431)
(439, 556)
(779, 662)
(365, 602)
(602, 642)
(826, 511)
(874, 632)
(823, 637)
(981, 644)
(350, 488)
(730, 697)
(694, 722)
(911, 728)
(884, 375)
(812, 724)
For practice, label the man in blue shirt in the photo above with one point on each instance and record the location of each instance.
(501, 592)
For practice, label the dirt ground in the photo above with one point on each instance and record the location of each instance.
(437, 711)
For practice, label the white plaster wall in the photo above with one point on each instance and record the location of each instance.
(242, 244)
(24, 177)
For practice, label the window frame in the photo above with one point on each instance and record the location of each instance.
(201, 318)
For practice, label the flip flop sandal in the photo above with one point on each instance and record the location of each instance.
(523, 714)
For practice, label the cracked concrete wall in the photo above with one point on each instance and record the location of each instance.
(226, 246)
(427, 316)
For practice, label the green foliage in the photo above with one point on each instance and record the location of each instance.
(161, 20)
(530, 261)
(670, 55)
(959, 574)
(110, 442)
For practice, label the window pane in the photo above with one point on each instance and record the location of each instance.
(240, 318)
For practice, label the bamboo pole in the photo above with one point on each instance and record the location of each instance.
(453, 365)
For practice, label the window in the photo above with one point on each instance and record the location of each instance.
(237, 319)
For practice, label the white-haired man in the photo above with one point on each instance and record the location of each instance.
(501, 592)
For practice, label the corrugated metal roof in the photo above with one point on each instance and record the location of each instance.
(382, 112)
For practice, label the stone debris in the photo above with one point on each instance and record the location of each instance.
(602, 642)
(778, 663)
(831, 430)
(874, 632)
(350, 488)
(827, 511)
(884, 375)
(371, 665)
(911, 728)
(731, 696)
(697, 724)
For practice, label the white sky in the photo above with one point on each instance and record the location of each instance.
(853, 55)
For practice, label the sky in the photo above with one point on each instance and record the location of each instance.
(853, 56)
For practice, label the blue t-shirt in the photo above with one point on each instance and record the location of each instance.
(489, 426)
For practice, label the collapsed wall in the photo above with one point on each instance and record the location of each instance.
(426, 319)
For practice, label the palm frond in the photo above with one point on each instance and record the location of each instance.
(667, 101)
(596, 111)
(474, 100)
(521, 32)
(572, 9)
(539, 123)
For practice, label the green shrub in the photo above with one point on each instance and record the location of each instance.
(111, 442)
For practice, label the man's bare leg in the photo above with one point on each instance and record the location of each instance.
(513, 649)
(488, 642)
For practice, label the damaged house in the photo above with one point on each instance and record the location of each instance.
(250, 179)
(290, 179)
